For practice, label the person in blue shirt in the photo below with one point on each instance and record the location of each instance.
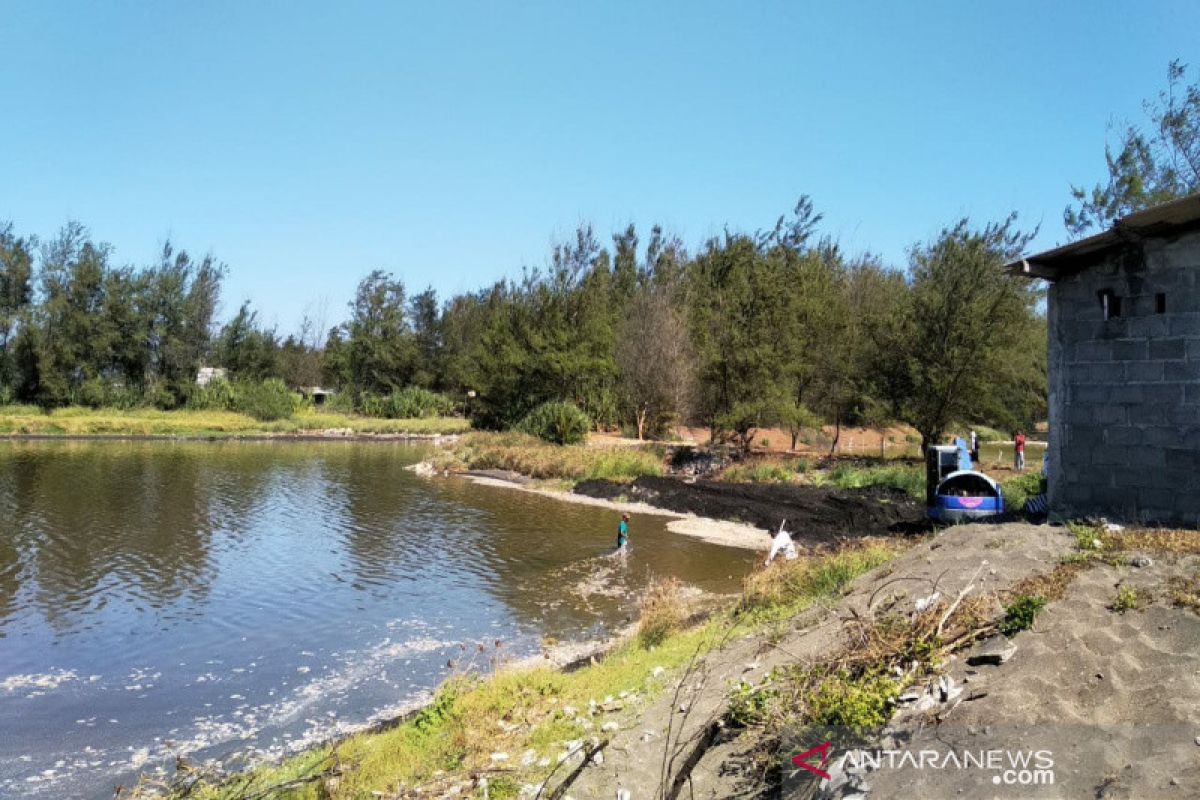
(623, 532)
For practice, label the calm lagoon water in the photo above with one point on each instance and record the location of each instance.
(242, 600)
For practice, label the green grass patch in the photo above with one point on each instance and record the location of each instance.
(910, 479)
(767, 471)
(80, 421)
(788, 587)
(530, 456)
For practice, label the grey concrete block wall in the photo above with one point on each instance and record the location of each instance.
(1125, 392)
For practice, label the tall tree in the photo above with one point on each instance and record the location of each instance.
(426, 322)
(381, 348)
(963, 322)
(247, 349)
(653, 352)
(1151, 166)
(16, 294)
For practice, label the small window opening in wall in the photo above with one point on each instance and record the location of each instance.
(1160, 303)
(1110, 304)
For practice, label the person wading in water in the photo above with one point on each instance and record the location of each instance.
(623, 533)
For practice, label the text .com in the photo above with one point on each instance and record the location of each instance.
(1007, 767)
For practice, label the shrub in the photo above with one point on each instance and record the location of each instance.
(217, 395)
(662, 612)
(102, 393)
(909, 479)
(856, 704)
(342, 402)
(415, 402)
(157, 394)
(1018, 490)
(92, 393)
(749, 704)
(410, 403)
(1020, 613)
(266, 401)
(557, 422)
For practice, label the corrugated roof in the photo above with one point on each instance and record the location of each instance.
(1161, 220)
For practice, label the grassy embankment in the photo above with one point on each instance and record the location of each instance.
(537, 711)
(895, 474)
(534, 458)
(78, 421)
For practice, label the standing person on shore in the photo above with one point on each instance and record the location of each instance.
(974, 447)
(1019, 452)
(623, 533)
(781, 542)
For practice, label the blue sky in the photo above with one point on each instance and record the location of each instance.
(305, 144)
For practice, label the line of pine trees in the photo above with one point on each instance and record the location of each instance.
(775, 328)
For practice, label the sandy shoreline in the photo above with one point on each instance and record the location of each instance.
(715, 531)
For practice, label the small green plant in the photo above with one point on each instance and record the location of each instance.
(1186, 592)
(855, 703)
(748, 704)
(1086, 536)
(1020, 614)
(560, 423)
(1126, 600)
(439, 710)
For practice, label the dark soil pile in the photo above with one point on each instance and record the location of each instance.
(814, 514)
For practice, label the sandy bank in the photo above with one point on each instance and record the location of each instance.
(729, 534)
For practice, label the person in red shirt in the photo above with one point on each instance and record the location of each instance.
(1019, 452)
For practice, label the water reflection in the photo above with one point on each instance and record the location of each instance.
(219, 595)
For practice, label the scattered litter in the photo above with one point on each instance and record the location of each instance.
(926, 603)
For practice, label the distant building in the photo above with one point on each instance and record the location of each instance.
(1124, 363)
(207, 375)
(318, 395)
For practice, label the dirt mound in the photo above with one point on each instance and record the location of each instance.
(814, 514)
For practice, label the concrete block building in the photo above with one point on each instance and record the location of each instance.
(1123, 314)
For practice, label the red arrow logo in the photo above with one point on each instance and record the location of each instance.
(801, 760)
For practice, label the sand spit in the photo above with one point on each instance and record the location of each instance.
(730, 534)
